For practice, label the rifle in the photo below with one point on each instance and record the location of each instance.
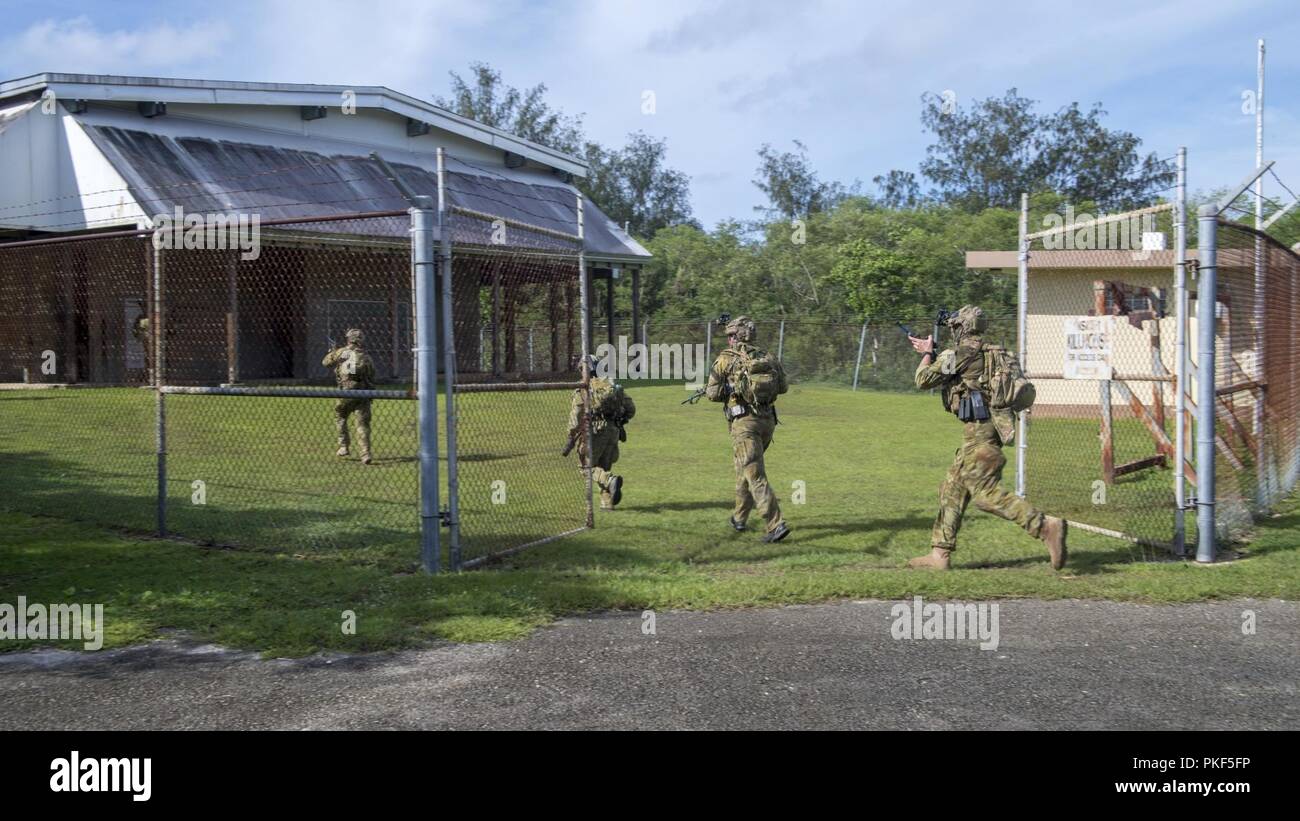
(941, 319)
(693, 398)
(573, 440)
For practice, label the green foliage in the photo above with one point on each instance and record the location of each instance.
(792, 186)
(634, 186)
(987, 155)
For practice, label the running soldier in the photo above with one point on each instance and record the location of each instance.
(747, 380)
(611, 410)
(983, 386)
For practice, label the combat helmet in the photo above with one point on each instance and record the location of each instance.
(742, 328)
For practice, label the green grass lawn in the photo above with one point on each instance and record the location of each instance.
(318, 535)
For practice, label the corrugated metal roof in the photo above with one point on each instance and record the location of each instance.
(205, 175)
(107, 87)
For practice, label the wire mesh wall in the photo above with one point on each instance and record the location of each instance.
(516, 327)
(1100, 348)
(1255, 375)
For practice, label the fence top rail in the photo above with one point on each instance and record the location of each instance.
(491, 387)
(144, 233)
(1075, 226)
(514, 223)
(292, 393)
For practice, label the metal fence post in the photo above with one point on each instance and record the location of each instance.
(585, 298)
(780, 341)
(1180, 358)
(1022, 337)
(857, 367)
(449, 365)
(423, 227)
(160, 400)
(708, 341)
(1261, 294)
(1207, 301)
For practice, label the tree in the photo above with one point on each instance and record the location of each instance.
(987, 156)
(898, 189)
(633, 185)
(486, 99)
(791, 185)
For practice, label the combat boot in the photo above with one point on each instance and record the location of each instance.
(936, 559)
(615, 490)
(780, 532)
(343, 451)
(1053, 533)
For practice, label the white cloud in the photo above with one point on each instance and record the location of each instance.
(78, 45)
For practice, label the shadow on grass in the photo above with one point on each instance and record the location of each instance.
(54, 487)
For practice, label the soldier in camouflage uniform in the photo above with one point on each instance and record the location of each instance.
(976, 472)
(751, 429)
(607, 430)
(353, 370)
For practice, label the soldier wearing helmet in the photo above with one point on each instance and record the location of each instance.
(747, 380)
(608, 409)
(353, 370)
(976, 472)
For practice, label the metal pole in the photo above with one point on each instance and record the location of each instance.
(160, 402)
(857, 368)
(232, 319)
(449, 365)
(585, 298)
(1022, 337)
(1180, 358)
(1261, 462)
(423, 227)
(708, 341)
(1207, 290)
(780, 342)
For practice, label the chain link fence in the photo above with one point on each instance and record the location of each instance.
(183, 390)
(516, 327)
(1101, 328)
(1256, 384)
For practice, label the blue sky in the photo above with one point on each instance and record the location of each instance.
(729, 75)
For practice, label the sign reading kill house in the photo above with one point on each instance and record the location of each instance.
(1087, 347)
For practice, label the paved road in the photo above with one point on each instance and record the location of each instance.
(1073, 665)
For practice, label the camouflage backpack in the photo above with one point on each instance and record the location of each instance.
(606, 398)
(1004, 383)
(760, 378)
(355, 368)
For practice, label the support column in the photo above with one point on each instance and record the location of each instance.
(1207, 301)
(423, 220)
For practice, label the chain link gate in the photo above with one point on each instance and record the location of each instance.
(190, 392)
(1100, 339)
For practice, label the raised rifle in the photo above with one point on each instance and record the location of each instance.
(573, 441)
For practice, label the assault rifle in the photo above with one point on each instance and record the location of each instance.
(573, 441)
(941, 319)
